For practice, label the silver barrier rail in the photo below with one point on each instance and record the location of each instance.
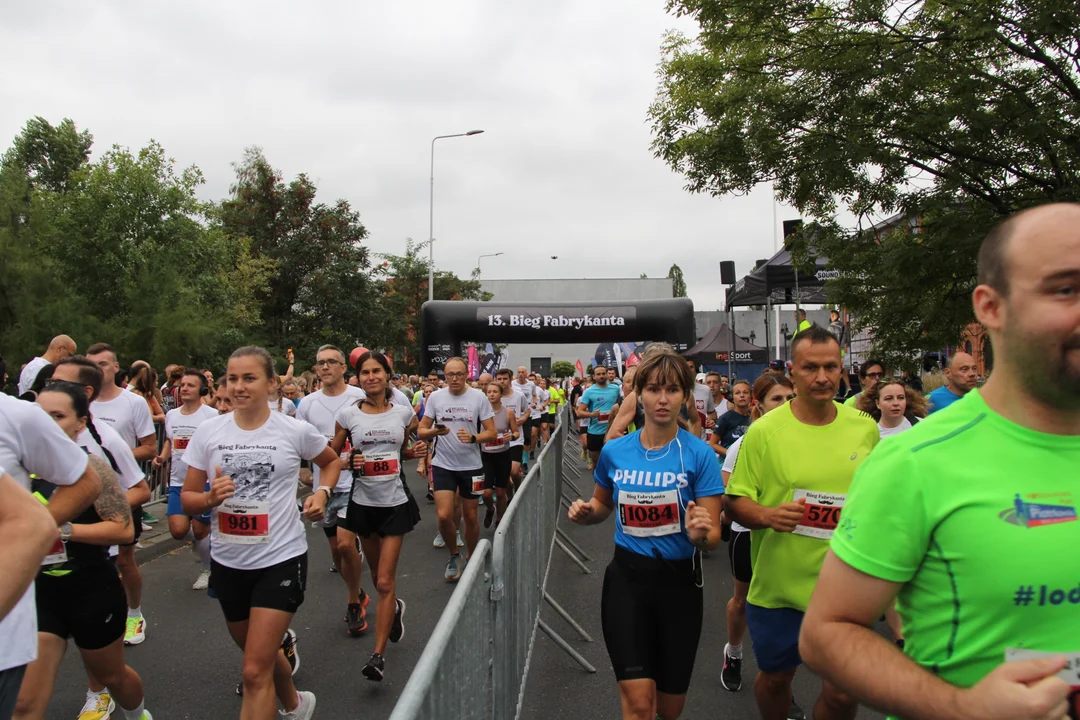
(495, 651)
(452, 679)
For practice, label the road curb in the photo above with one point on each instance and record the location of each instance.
(164, 546)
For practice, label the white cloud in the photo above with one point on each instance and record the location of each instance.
(352, 93)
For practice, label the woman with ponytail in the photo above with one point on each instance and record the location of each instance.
(78, 567)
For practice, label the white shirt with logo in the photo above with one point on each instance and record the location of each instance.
(128, 414)
(320, 410)
(379, 437)
(466, 411)
(260, 525)
(31, 442)
(30, 372)
(178, 430)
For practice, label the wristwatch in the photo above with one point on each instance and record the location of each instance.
(327, 488)
(65, 531)
(472, 439)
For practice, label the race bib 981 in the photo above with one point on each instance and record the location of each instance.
(244, 522)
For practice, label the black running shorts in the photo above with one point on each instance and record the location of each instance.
(738, 550)
(594, 443)
(651, 612)
(277, 587)
(496, 470)
(367, 520)
(87, 605)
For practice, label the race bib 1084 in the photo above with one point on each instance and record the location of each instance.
(244, 522)
(821, 514)
(645, 514)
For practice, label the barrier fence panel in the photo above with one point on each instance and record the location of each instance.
(505, 612)
(452, 679)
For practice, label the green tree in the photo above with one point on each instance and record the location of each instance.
(404, 291)
(952, 113)
(563, 369)
(678, 285)
(319, 289)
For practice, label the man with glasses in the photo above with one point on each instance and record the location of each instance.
(320, 408)
(870, 373)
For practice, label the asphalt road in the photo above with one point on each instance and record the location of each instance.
(190, 666)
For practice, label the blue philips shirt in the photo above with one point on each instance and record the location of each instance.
(651, 492)
(941, 398)
(601, 399)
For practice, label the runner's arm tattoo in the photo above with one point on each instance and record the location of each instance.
(111, 504)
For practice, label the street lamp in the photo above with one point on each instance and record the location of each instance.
(431, 212)
(481, 258)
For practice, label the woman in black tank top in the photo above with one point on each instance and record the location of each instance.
(78, 592)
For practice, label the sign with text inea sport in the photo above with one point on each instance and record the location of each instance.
(567, 319)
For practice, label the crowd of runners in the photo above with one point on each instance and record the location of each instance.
(915, 552)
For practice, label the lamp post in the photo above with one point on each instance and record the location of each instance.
(481, 258)
(431, 212)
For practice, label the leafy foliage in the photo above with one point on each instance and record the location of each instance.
(955, 113)
(678, 284)
(563, 369)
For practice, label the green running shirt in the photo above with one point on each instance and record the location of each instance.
(977, 517)
(779, 456)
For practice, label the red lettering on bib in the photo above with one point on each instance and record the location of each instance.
(478, 484)
(244, 522)
(180, 443)
(603, 417)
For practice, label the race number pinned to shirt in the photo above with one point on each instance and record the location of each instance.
(603, 417)
(645, 514)
(57, 553)
(821, 514)
(498, 442)
(1070, 674)
(382, 466)
(243, 522)
(477, 484)
(180, 442)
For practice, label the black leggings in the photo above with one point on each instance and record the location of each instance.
(651, 613)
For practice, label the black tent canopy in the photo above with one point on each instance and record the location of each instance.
(721, 345)
(778, 282)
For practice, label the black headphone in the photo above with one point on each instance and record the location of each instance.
(204, 384)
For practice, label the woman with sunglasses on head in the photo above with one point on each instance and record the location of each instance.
(78, 567)
(381, 510)
(665, 483)
(769, 392)
(258, 567)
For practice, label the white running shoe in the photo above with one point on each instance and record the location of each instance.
(438, 541)
(97, 706)
(460, 542)
(203, 581)
(304, 710)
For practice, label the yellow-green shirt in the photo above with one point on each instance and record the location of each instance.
(779, 456)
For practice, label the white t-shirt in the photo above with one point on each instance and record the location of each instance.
(729, 467)
(528, 389)
(260, 525)
(721, 407)
(178, 429)
(130, 473)
(31, 442)
(30, 373)
(398, 398)
(320, 409)
(379, 437)
(885, 432)
(285, 407)
(538, 410)
(128, 414)
(520, 405)
(464, 411)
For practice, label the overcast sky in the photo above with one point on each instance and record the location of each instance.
(352, 94)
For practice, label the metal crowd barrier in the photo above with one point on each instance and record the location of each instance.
(157, 478)
(486, 635)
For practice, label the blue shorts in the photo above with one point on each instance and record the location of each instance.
(775, 636)
(176, 508)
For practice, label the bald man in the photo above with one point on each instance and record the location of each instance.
(961, 375)
(61, 347)
(971, 515)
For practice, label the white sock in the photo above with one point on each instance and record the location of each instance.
(137, 713)
(135, 612)
(733, 651)
(202, 548)
(90, 694)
